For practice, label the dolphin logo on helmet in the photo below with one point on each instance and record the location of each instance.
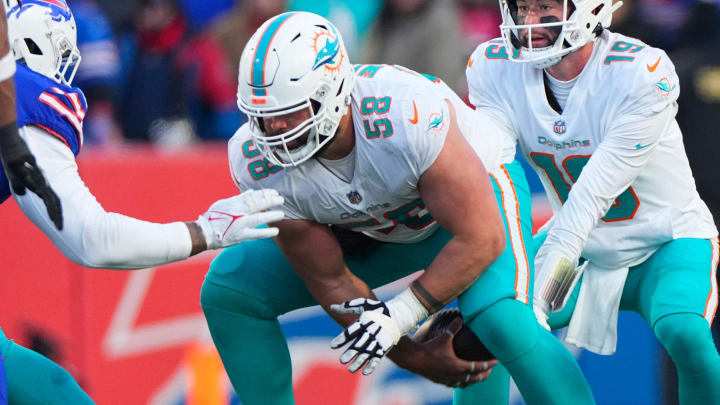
(329, 52)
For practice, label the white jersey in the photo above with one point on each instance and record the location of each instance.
(637, 191)
(401, 121)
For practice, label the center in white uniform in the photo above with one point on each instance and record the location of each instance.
(400, 122)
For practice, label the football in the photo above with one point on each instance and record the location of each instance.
(466, 344)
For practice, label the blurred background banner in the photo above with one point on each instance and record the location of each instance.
(160, 78)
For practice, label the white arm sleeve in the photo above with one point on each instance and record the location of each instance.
(93, 237)
(615, 164)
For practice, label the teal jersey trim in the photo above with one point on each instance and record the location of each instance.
(258, 69)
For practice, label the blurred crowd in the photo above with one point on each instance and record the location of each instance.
(164, 71)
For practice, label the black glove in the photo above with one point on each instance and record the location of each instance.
(23, 172)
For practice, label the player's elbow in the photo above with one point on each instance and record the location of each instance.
(100, 245)
(495, 241)
(492, 240)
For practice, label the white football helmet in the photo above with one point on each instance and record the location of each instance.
(295, 61)
(586, 21)
(43, 36)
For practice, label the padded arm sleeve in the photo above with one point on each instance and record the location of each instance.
(93, 237)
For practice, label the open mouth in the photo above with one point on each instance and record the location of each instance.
(540, 41)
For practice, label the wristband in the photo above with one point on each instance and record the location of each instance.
(406, 310)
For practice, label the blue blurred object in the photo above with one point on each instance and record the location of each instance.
(200, 13)
(632, 375)
(96, 43)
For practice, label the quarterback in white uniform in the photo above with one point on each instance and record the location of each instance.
(594, 114)
(409, 178)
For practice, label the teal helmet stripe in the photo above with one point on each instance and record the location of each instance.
(258, 68)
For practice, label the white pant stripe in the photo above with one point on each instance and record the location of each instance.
(712, 300)
(511, 210)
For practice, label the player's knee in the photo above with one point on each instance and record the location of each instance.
(508, 328)
(687, 339)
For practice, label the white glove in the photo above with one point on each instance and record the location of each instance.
(378, 329)
(372, 335)
(232, 220)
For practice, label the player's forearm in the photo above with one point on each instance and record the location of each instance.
(461, 261)
(328, 290)
(116, 241)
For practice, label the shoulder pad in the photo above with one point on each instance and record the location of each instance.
(647, 74)
(54, 107)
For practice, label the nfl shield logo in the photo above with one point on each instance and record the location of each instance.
(559, 127)
(354, 197)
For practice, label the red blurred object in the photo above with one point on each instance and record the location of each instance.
(124, 330)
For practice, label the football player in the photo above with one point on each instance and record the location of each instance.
(50, 115)
(408, 178)
(594, 113)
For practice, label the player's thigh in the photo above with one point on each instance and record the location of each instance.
(258, 271)
(34, 379)
(680, 277)
(510, 276)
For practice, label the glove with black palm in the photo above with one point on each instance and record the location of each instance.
(379, 328)
(23, 172)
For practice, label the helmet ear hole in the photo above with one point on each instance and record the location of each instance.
(33, 47)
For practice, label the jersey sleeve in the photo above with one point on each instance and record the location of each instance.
(55, 108)
(91, 236)
(485, 91)
(426, 120)
(250, 170)
(653, 83)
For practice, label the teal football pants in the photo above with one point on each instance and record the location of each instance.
(34, 379)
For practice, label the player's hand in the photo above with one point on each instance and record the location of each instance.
(541, 313)
(436, 360)
(23, 173)
(370, 337)
(233, 220)
(555, 280)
